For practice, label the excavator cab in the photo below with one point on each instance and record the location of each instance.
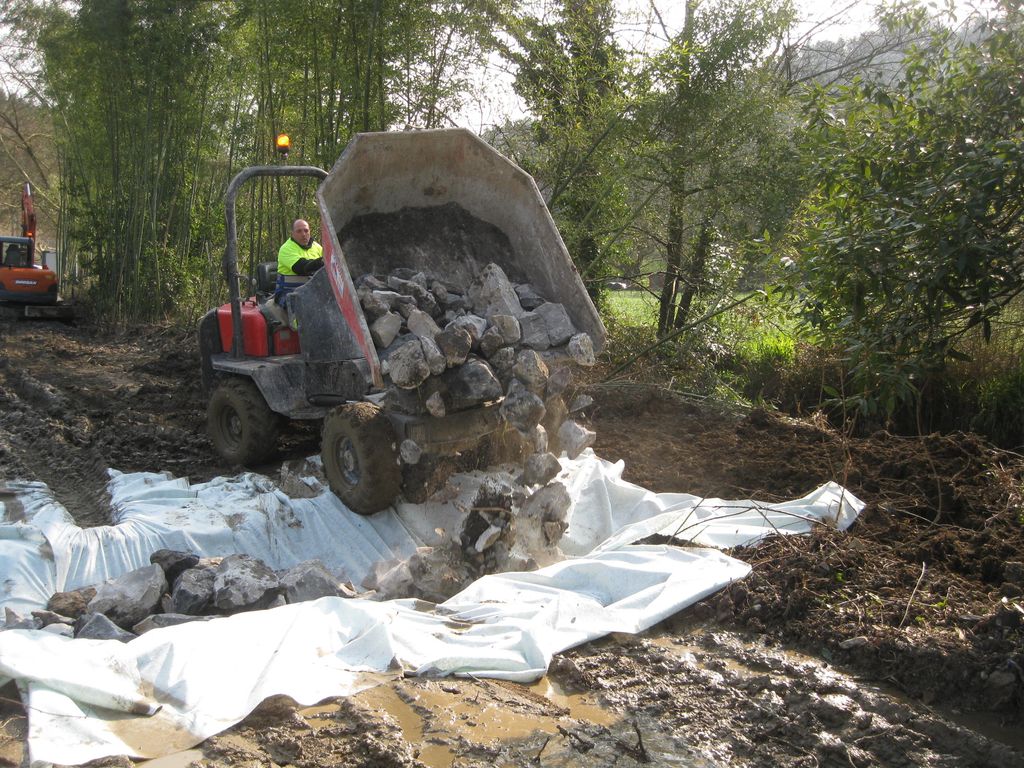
(15, 255)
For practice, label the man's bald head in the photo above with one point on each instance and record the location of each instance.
(300, 231)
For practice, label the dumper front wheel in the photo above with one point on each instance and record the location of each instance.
(241, 425)
(360, 454)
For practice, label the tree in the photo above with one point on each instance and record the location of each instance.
(27, 152)
(913, 234)
(569, 72)
(129, 82)
(712, 136)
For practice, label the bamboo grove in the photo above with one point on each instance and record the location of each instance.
(154, 105)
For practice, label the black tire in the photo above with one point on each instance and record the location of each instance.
(360, 454)
(243, 428)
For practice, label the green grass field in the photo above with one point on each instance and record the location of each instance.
(637, 308)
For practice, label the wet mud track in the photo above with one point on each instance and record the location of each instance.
(897, 643)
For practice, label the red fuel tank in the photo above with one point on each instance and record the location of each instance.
(286, 342)
(255, 341)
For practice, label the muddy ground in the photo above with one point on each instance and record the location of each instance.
(898, 643)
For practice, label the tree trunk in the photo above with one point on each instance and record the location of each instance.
(677, 196)
(695, 275)
(673, 258)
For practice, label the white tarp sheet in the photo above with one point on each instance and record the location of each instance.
(171, 688)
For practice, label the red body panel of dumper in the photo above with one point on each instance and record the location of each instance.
(256, 342)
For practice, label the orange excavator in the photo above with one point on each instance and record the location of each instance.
(28, 289)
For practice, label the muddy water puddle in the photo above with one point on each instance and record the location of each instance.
(434, 715)
(13, 728)
(177, 760)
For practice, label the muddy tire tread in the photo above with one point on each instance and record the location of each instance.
(376, 446)
(260, 425)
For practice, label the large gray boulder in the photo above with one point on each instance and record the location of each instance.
(128, 599)
(14, 620)
(555, 414)
(374, 305)
(559, 379)
(474, 325)
(522, 408)
(161, 620)
(408, 288)
(422, 325)
(371, 282)
(385, 328)
(436, 360)
(493, 294)
(540, 468)
(46, 618)
(174, 563)
(528, 297)
(531, 370)
(581, 349)
(472, 383)
(64, 630)
(193, 592)
(509, 328)
(503, 360)
(574, 438)
(560, 327)
(309, 580)
(96, 626)
(538, 438)
(439, 291)
(541, 522)
(491, 342)
(455, 342)
(393, 299)
(243, 583)
(407, 365)
(437, 573)
(580, 403)
(534, 331)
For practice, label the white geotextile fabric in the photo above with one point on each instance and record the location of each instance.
(171, 688)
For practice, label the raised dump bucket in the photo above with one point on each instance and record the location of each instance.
(451, 190)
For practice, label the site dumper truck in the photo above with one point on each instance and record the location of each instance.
(402, 215)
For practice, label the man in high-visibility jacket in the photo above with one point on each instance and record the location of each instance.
(297, 260)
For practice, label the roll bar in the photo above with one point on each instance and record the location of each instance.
(230, 261)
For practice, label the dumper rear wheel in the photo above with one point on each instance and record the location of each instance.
(243, 428)
(360, 454)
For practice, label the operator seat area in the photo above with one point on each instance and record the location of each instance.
(266, 279)
(14, 255)
(266, 284)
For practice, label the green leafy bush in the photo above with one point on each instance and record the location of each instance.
(914, 234)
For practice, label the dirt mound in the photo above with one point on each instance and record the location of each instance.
(923, 592)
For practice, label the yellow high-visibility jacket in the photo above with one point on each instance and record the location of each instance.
(291, 252)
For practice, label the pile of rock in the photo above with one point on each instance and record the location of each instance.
(509, 527)
(176, 588)
(447, 348)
